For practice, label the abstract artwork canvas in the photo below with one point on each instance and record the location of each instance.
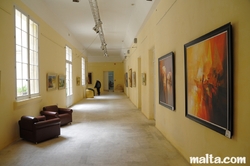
(208, 80)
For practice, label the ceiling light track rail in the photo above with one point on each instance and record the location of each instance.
(98, 25)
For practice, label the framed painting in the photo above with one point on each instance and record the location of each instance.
(208, 80)
(0, 81)
(130, 77)
(134, 79)
(143, 78)
(126, 79)
(78, 81)
(61, 81)
(51, 81)
(89, 78)
(167, 81)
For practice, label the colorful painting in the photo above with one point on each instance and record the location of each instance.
(89, 78)
(167, 81)
(51, 81)
(61, 81)
(208, 80)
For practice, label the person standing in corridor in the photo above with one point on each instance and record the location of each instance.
(98, 86)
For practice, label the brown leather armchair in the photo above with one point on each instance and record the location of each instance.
(52, 111)
(38, 129)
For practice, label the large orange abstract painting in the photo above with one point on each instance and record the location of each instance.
(208, 77)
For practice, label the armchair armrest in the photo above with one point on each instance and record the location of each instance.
(49, 114)
(65, 111)
(27, 122)
(50, 122)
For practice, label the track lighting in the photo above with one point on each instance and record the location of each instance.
(96, 29)
(98, 24)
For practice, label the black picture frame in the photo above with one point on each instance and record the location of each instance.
(209, 80)
(166, 71)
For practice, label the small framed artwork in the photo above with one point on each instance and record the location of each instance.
(61, 81)
(134, 79)
(51, 81)
(0, 81)
(208, 80)
(89, 78)
(126, 79)
(130, 77)
(78, 81)
(167, 81)
(143, 78)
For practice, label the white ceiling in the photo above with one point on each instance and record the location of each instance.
(121, 20)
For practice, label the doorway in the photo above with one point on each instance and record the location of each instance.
(108, 82)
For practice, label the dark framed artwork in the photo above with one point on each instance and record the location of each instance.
(126, 79)
(208, 80)
(167, 81)
(130, 77)
(89, 78)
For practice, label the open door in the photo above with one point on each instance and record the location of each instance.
(108, 82)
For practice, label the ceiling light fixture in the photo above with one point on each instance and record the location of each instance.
(98, 25)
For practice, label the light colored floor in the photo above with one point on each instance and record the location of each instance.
(107, 130)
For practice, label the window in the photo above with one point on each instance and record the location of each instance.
(83, 71)
(69, 88)
(27, 64)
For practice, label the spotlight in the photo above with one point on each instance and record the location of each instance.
(102, 47)
(99, 21)
(96, 29)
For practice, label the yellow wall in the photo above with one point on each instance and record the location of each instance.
(98, 68)
(51, 59)
(173, 24)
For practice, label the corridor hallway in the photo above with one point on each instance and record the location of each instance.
(107, 130)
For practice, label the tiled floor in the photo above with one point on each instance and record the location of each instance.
(107, 130)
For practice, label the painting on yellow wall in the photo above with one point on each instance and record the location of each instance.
(51, 81)
(208, 80)
(134, 79)
(130, 77)
(143, 78)
(126, 79)
(78, 81)
(167, 81)
(61, 81)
